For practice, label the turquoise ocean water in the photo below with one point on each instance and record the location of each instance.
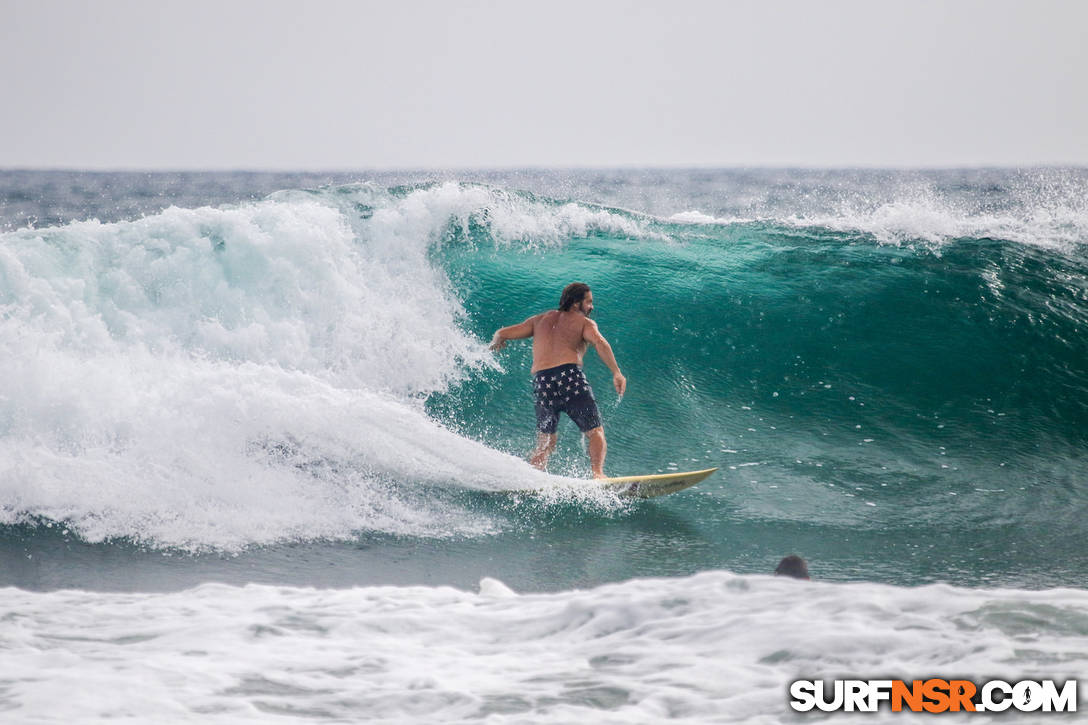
(272, 393)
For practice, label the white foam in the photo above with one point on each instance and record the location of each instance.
(199, 454)
(709, 648)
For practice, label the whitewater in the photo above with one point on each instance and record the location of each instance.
(257, 462)
(714, 647)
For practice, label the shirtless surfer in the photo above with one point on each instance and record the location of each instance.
(560, 338)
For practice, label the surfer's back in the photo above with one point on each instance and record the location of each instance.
(558, 339)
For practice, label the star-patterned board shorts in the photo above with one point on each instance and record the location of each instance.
(564, 389)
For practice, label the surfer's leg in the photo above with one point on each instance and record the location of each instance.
(545, 444)
(547, 427)
(582, 409)
(598, 449)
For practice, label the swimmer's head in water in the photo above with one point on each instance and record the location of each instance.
(792, 566)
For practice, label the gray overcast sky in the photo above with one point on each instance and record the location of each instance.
(356, 85)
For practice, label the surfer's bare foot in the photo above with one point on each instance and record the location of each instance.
(599, 474)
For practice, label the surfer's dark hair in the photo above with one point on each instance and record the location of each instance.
(573, 293)
(793, 566)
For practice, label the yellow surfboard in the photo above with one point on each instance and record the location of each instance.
(657, 484)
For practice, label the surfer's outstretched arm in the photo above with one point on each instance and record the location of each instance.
(512, 332)
(593, 335)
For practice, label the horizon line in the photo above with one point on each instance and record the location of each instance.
(538, 167)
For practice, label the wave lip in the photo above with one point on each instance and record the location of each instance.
(932, 222)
